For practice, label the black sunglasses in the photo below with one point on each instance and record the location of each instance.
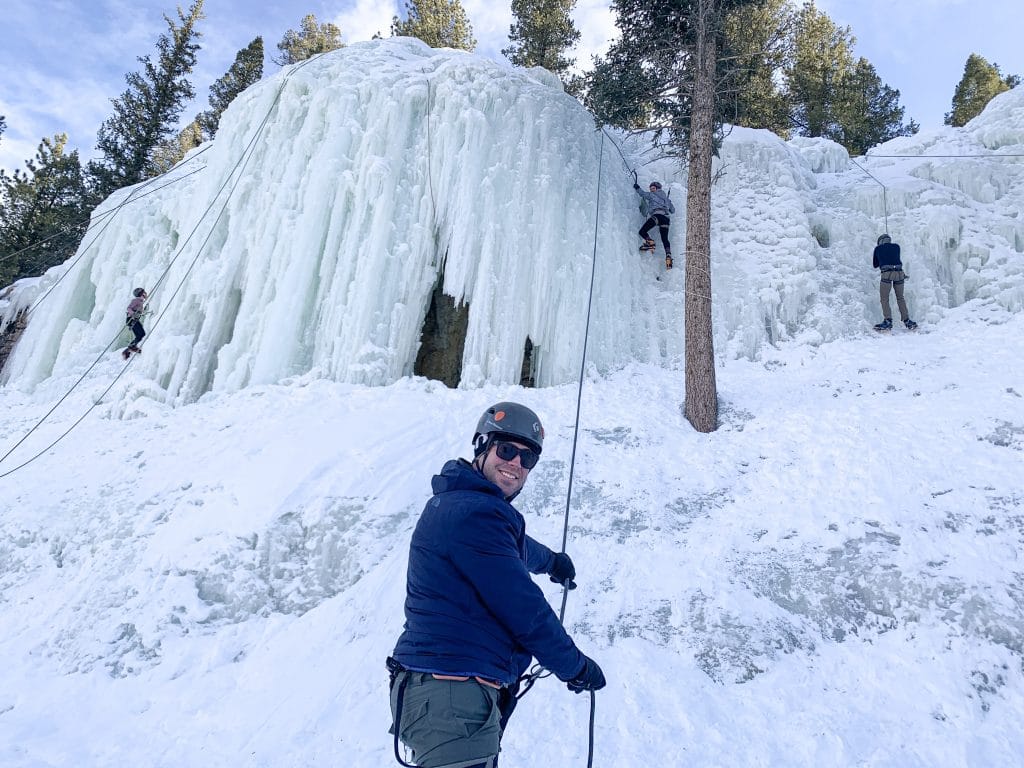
(527, 456)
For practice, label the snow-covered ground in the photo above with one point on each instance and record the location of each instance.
(831, 578)
(208, 570)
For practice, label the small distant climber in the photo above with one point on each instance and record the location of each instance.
(886, 258)
(133, 319)
(659, 206)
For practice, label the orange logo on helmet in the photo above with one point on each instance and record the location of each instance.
(499, 415)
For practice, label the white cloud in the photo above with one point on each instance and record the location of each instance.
(365, 19)
(596, 22)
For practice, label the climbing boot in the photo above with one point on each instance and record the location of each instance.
(668, 261)
(885, 325)
(648, 245)
(911, 325)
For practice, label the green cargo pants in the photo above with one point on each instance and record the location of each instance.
(893, 279)
(447, 723)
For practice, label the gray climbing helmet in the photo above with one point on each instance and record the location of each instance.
(511, 421)
(138, 292)
(884, 239)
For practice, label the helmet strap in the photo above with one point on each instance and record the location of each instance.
(480, 445)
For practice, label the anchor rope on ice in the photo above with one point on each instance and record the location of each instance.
(239, 166)
(106, 217)
(537, 672)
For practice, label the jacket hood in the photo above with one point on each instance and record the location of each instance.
(460, 475)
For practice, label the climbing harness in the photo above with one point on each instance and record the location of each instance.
(394, 670)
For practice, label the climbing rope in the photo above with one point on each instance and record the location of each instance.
(583, 364)
(885, 197)
(430, 159)
(93, 221)
(239, 166)
(965, 157)
(132, 197)
(538, 672)
(604, 132)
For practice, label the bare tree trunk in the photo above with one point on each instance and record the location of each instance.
(701, 395)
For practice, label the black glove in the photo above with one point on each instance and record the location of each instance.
(561, 570)
(635, 185)
(590, 678)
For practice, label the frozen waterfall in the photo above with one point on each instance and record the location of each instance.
(310, 236)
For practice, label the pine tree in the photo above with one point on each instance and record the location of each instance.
(868, 112)
(543, 31)
(438, 23)
(311, 39)
(146, 114)
(822, 59)
(757, 41)
(980, 83)
(246, 70)
(170, 152)
(833, 96)
(664, 74)
(44, 210)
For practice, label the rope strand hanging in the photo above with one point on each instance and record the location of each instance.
(239, 166)
(538, 672)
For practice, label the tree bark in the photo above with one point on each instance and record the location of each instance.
(701, 408)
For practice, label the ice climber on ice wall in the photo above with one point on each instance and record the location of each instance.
(658, 207)
(473, 616)
(133, 319)
(886, 258)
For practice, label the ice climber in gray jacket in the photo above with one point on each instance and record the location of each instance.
(658, 207)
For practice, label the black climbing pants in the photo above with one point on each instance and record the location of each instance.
(661, 221)
(137, 329)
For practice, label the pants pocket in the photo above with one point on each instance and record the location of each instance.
(475, 708)
(415, 706)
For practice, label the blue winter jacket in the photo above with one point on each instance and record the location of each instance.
(887, 256)
(471, 607)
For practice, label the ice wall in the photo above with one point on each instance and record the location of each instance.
(952, 198)
(333, 197)
(308, 238)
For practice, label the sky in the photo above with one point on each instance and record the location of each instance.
(62, 62)
(207, 571)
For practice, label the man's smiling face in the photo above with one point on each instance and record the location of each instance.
(509, 475)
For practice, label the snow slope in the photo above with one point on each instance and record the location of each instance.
(209, 569)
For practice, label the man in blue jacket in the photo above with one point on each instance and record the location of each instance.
(474, 618)
(886, 258)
